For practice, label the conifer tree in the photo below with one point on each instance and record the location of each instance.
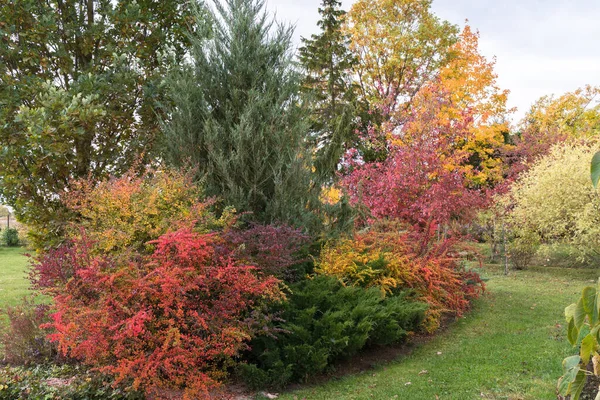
(328, 87)
(236, 118)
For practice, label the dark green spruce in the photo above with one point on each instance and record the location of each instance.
(328, 87)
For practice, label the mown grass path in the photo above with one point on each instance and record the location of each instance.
(510, 346)
(13, 276)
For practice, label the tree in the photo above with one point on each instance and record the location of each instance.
(329, 89)
(419, 182)
(399, 46)
(576, 114)
(469, 95)
(237, 120)
(78, 85)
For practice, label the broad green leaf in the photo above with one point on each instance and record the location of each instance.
(577, 385)
(571, 368)
(572, 332)
(595, 330)
(595, 169)
(571, 362)
(590, 303)
(570, 312)
(588, 345)
(579, 315)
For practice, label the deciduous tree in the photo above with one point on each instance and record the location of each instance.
(399, 45)
(78, 82)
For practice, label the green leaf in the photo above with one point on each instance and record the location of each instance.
(588, 345)
(594, 332)
(572, 332)
(579, 315)
(577, 385)
(590, 303)
(571, 368)
(570, 312)
(595, 169)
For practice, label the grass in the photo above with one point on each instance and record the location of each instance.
(510, 346)
(13, 276)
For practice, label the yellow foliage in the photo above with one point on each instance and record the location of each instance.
(554, 201)
(472, 97)
(331, 195)
(398, 44)
(576, 114)
(364, 263)
(130, 211)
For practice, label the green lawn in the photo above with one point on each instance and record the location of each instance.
(13, 276)
(509, 347)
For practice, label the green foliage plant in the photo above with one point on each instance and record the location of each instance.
(79, 82)
(323, 322)
(583, 330)
(10, 237)
(237, 120)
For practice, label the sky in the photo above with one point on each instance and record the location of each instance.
(541, 47)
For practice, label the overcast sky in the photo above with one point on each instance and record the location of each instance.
(541, 47)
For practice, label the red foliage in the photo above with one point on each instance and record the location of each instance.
(423, 178)
(529, 146)
(271, 248)
(167, 320)
(23, 340)
(52, 269)
(416, 184)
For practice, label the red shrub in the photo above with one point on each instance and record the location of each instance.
(51, 270)
(168, 320)
(271, 248)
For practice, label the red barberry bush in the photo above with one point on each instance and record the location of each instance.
(169, 320)
(278, 250)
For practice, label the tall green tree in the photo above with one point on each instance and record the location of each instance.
(328, 86)
(78, 83)
(237, 120)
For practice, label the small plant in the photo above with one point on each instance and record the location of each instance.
(583, 330)
(10, 237)
(25, 342)
(522, 250)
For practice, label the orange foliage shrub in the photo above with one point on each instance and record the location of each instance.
(169, 320)
(143, 289)
(395, 260)
(128, 212)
